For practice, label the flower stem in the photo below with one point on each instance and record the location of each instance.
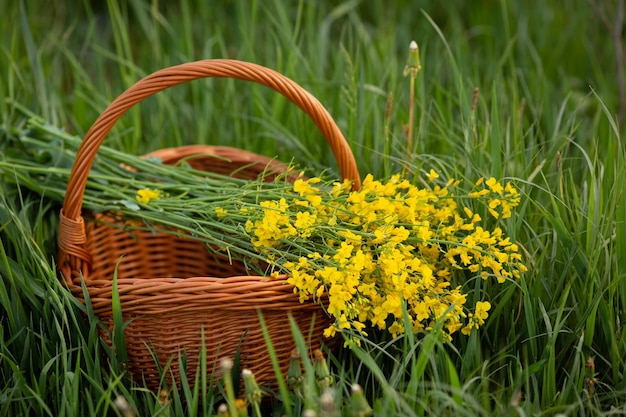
(412, 68)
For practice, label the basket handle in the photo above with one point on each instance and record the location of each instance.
(72, 236)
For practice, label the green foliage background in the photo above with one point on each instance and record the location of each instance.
(547, 115)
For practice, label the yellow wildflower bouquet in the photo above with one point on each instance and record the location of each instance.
(386, 245)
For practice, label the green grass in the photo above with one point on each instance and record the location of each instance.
(545, 116)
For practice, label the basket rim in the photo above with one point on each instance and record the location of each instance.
(154, 295)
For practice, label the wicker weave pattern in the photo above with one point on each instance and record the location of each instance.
(172, 288)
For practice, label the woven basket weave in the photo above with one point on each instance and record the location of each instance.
(172, 288)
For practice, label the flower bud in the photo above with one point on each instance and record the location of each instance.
(252, 391)
(294, 372)
(324, 379)
(359, 406)
(413, 64)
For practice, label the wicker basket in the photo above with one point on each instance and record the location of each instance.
(171, 288)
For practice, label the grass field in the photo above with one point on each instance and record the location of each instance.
(529, 92)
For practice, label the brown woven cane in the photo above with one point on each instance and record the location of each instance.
(171, 288)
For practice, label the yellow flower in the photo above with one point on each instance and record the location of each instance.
(479, 193)
(482, 307)
(340, 188)
(304, 223)
(432, 175)
(494, 185)
(221, 212)
(343, 253)
(315, 200)
(330, 331)
(145, 195)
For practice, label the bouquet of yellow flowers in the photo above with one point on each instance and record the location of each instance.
(368, 255)
(386, 245)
